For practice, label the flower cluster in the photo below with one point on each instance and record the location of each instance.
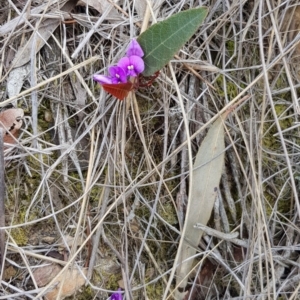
(130, 65)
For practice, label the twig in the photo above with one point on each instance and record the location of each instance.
(216, 233)
(2, 196)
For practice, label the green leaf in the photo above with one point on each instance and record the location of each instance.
(162, 40)
(207, 171)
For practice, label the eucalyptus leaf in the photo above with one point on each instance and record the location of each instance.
(207, 171)
(162, 40)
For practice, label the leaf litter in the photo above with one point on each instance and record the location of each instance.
(122, 181)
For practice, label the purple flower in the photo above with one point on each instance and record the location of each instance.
(117, 75)
(134, 48)
(117, 295)
(132, 65)
(102, 79)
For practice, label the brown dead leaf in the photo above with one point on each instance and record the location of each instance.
(134, 227)
(11, 122)
(56, 255)
(48, 239)
(203, 282)
(9, 273)
(45, 274)
(239, 253)
(121, 284)
(67, 242)
(150, 273)
(72, 281)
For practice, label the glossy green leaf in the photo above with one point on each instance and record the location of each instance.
(162, 40)
(207, 171)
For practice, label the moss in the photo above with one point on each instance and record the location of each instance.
(232, 90)
(270, 140)
(95, 194)
(282, 113)
(168, 213)
(72, 122)
(20, 236)
(155, 291)
(283, 203)
(112, 283)
(230, 46)
(85, 294)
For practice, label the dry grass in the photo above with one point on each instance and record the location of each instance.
(113, 176)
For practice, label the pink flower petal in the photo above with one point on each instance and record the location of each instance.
(132, 65)
(138, 64)
(117, 74)
(124, 63)
(134, 48)
(102, 79)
